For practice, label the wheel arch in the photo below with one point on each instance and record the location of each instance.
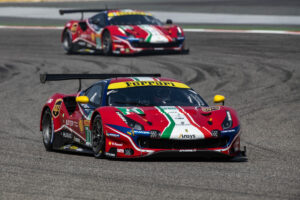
(92, 119)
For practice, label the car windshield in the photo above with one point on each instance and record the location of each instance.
(134, 20)
(154, 96)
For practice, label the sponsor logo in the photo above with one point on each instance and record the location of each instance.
(209, 109)
(110, 154)
(120, 150)
(149, 83)
(185, 136)
(74, 28)
(81, 128)
(67, 135)
(187, 150)
(115, 144)
(71, 123)
(215, 133)
(112, 135)
(56, 108)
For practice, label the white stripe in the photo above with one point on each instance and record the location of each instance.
(64, 126)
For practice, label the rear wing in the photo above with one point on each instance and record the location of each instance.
(61, 77)
(68, 11)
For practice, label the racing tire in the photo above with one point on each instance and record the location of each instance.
(98, 138)
(107, 43)
(67, 42)
(47, 130)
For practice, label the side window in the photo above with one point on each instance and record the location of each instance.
(94, 94)
(98, 20)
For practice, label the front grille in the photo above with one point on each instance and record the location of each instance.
(145, 142)
(155, 45)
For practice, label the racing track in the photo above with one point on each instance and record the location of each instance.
(259, 74)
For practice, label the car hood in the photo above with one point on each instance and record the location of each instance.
(176, 122)
(148, 33)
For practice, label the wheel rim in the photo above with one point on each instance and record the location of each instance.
(47, 129)
(98, 138)
(106, 42)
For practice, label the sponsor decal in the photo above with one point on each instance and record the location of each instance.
(120, 150)
(187, 150)
(67, 135)
(86, 122)
(112, 135)
(74, 28)
(88, 134)
(215, 133)
(186, 136)
(126, 12)
(209, 109)
(81, 127)
(56, 108)
(71, 123)
(128, 84)
(110, 154)
(110, 143)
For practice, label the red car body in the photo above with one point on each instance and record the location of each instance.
(121, 32)
(140, 130)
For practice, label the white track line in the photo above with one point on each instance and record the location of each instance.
(186, 30)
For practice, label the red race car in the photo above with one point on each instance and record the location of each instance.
(138, 116)
(121, 32)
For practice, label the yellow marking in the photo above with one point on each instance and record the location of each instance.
(146, 83)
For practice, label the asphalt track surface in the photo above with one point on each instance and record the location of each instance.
(259, 74)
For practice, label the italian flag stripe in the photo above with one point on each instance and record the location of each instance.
(168, 130)
(205, 132)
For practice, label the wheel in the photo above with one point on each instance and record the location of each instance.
(67, 42)
(48, 134)
(107, 44)
(98, 138)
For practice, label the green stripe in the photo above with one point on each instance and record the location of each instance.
(149, 37)
(136, 79)
(167, 132)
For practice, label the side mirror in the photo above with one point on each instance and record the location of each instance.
(219, 99)
(82, 99)
(169, 21)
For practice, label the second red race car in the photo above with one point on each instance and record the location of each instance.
(121, 32)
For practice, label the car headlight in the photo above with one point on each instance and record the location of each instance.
(227, 123)
(131, 123)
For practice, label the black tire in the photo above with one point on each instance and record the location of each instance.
(98, 138)
(67, 42)
(47, 132)
(107, 43)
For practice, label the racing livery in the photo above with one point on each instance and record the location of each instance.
(144, 115)
(121, 32)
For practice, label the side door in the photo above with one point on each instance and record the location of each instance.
(95, 94)
(97, 23)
